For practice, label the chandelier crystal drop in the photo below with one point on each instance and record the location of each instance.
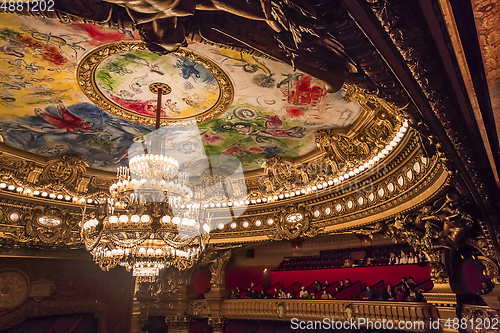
(149, 221)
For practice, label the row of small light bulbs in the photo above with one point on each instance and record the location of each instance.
(376, 159)
(149, 252)
(92, 223)
(151, 184)
(30, 192)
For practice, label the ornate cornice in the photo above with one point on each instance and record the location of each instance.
(411, 40)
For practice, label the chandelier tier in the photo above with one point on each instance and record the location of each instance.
(149, 221)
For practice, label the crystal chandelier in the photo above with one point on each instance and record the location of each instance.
(149, 221)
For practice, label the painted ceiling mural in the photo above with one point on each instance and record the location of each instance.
(274, 110)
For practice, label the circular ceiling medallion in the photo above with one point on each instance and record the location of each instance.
(123, 79)
(165, 88)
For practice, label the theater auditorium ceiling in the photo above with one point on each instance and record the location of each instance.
(344, 117)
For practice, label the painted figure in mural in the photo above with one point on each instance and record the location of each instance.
(66, 121)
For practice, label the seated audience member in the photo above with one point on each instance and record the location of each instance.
(370, 295)
(412, 259)
(347, 283)
(280, 293)
(232, 294)
(316, 286)
(327, 284)
(237, 293)
(264, 295)
(411, 283)
(405, 286)
(276, 293)
(412, 296)
(248, 294)
(393, 260)
(420, 295)
(388, 294)
(485, 288)
(421, 257)
(400, 297)
(403, 258)
(252, 285)
(326, 295)
(252, 293)
(368, 261)
(303, 293)
(341, 286)
(292, 295)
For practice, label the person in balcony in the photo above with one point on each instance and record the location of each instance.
(393, 260)
(341, 286)
(388, 294)
(370, 295)
(264, 295)
(420, 295)
(403, 258)
(368, 261)
(347, 283)
(252, 293)
(303, 293)
(316, 286)
(421, 257)
(405, 285)
(326, 295)
(401, 295)
(411, 283)
(280, 293)
(485, 288)
(232, 294)
(237, 293)
(412, 259)
(327, 284)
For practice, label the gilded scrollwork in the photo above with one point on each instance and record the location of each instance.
(40, 226)
(62, 173)
(292, 222)
(217, 323)
(217, 262)
(434, 229)
(198, 309)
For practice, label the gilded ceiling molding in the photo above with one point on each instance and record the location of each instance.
(64, 175)
(415, 183)
(28, 225)
(418, 57)
(292, 222)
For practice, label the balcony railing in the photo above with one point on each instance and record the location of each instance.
(335, 310)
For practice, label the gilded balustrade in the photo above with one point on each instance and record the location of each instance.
(275, 309)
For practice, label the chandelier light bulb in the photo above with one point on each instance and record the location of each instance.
(113, 219)
(145, 218)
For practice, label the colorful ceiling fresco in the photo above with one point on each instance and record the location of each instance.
(274, 110)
